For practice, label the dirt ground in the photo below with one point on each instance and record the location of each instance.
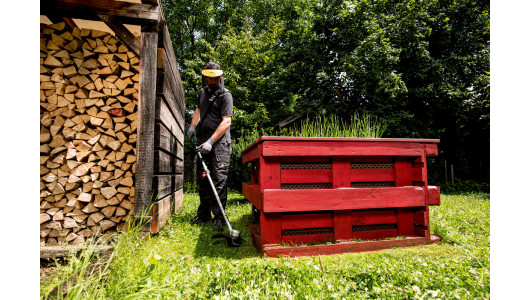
(48, 268)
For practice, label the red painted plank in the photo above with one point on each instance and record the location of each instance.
(374, 234)
(275, 200)
(300, 221)
(269, 174)
(253, 194)
(306, 176)
(270, 226)
(421, 231)
(303, 159)
(251, 154)
(424, 170)
(418, 161)
(369, 175)
(373, 217)
(431, 149)
(426, 209)
(417, 174)
(405, 221)
(342, 224)
(308, 238)
(346, 246)
(403, 168)
(433, 195)
(341, 172)
(421, 217)
(320, 139)
(255, 235)
(279, 149)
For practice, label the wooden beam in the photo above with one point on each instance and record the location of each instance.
(70, 23)
(129, 13)
(161, 211)
(146, 123)
(340, 247)
(274, 200)
(63, 251)
(124, 34)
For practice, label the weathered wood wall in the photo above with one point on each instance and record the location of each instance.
(169, 131)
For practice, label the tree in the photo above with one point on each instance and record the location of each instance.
(420, 66)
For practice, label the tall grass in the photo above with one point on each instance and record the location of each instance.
(361, 125)
(184, 262)
(85, 273)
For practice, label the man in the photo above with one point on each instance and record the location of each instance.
(214, 111)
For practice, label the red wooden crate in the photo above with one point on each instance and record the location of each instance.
(340, 190)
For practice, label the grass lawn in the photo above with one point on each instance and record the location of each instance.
(184, 262)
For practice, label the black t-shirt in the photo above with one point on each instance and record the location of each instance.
(222, 106)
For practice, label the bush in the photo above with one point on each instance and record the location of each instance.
(464, 186)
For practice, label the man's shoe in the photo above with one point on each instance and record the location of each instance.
(197, 220)
(217, 225)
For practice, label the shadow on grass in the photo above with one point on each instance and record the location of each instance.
(238, 200)
(207, 246)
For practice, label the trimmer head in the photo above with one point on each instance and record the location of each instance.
(233, 239)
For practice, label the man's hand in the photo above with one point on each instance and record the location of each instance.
(206, 147)
(191, 132)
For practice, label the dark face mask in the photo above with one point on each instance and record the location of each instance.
(213, 84)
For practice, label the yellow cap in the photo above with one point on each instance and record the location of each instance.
(212, 73)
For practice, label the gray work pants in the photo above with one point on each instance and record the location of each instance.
(217, 162)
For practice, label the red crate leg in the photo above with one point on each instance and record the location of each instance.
(403, 169)
(341, 218)
(421, 218)
(422, 230)
(269, 175)
(342, 225)
(341, 172)
(405, 221)
(270, 228)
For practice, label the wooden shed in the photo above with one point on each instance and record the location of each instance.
(112, 118)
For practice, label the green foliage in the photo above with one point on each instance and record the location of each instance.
(84, 274)
(238, 171)
(465, 186)
(420, 67)
(359, 126)
(182, 261)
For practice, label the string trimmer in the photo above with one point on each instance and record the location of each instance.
(233, 238)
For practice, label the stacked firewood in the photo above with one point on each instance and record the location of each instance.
(88, 99)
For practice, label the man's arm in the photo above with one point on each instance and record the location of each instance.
(196, 117)
(221, 129)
